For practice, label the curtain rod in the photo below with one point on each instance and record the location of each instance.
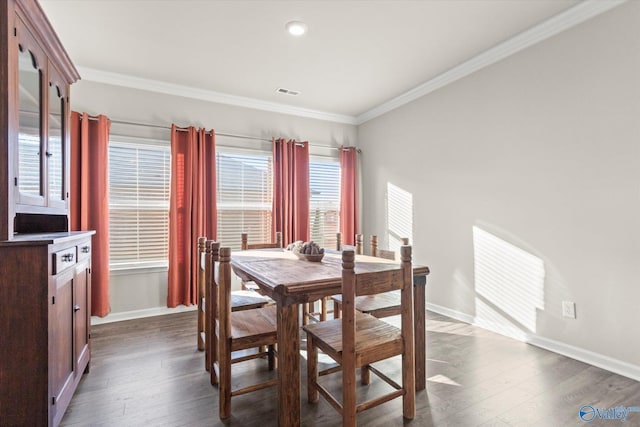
(230, 135)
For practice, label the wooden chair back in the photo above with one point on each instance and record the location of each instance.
(354, 285)
(357, 243)
(267, 245)
(384, 253)
(245, 245)
(358, 340)
(372, 283)
(359, 247)
(377, 304)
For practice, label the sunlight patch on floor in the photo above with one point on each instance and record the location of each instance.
(443, 379)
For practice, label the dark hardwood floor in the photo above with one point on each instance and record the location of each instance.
(148, 372)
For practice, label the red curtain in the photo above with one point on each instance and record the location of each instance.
(192, 208)
(291, 190)
(89, 198)
(349, 209)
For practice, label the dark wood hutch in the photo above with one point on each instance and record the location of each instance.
(45, 270)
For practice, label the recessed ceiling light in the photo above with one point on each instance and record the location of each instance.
(296, 28)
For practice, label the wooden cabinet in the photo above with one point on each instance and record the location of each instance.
(35, 78)
(45, 270)
(45, 291)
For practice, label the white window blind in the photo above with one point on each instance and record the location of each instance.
(245, 195)
(324, 206)
(139, 184)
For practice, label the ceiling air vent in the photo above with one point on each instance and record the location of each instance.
(287, 91)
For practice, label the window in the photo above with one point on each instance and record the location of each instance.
(139, 183)
(245, 195)
(324, 203)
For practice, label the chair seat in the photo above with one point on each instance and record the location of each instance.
(253, 328)
(379, 305)
(243, 300)
(246, 300)
(375, 339)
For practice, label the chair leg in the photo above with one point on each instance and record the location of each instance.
(312, 370)
(365, 375)
(323, 309)
(336, 310)
(207, 330)
(212, 347)
(409, 385)
(305, 313)
(271, 357)
(224, 385)
(201, 320)
(349, 415)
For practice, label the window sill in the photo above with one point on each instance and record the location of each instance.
(137, 269)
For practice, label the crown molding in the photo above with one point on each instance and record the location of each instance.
(117, 79)
(552, 26)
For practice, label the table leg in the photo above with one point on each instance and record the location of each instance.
(419, 308)
(288, 366)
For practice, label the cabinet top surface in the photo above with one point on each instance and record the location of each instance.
(46, 238)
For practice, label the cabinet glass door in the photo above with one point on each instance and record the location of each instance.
(29, 144)
(55, 153)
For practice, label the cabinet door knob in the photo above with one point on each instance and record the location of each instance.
(76, 308)
(86, 249)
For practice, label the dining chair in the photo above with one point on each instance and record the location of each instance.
(380, 305)
(358, 340)
(240, 300)
(233, 331)
(245, 245)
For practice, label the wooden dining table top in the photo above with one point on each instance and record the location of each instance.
(282, 275)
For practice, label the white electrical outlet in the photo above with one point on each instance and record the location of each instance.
(569, 309)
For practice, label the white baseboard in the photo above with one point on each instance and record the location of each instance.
(458, 315)
(596, 359)
(587, 356)
(139, 314)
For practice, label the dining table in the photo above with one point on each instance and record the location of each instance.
(290, 281)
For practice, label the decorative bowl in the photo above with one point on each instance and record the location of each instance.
(310, 257)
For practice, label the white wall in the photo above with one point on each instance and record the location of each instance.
(541, 153)
(141, 293)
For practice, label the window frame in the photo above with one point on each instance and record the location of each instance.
(140, 143)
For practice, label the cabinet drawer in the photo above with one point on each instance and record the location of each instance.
(64, 259)
(84, 250)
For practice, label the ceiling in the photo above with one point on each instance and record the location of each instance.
(356, 56)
